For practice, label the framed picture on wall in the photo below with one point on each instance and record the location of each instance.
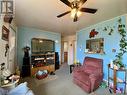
(5, 33)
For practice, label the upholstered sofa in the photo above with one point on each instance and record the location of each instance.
(90, 75)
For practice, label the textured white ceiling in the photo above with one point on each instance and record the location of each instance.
(41, 14)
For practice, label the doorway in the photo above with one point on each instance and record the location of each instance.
(65, 52)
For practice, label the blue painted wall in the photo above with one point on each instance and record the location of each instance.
(25, 35)
(110, 41)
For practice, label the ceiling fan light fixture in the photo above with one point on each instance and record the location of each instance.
(79, 13)
(76, 9)
(75, 12)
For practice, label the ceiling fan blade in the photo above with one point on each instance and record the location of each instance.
(75, 18)
(63, 14)
(82, 2)
(66, 2)
(88, 10)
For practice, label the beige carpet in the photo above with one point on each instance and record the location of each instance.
(47, 79)
(38, 82)
(60, 84)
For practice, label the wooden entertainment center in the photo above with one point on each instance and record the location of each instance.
(43, 62)
(43, 55)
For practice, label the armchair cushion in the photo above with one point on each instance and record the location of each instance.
(89, 69)
(94, 76)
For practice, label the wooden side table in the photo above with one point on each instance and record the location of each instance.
(71, 68)
(74, 65)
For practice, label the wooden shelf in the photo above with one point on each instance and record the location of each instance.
(115, 79)
(110, 78)
(43, 62)
(37, 54)
(49, 68)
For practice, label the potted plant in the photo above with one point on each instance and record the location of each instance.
(123, 45)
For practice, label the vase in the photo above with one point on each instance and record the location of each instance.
(116, 67)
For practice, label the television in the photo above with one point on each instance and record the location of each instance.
(39, 45)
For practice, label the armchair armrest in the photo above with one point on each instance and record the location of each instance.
(95, 79)
(95, 76)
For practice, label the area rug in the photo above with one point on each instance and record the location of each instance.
(45, 80)
(37, 82)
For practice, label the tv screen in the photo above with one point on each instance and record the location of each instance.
(42, 45)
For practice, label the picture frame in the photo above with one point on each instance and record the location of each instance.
(5, 33)
(95, 45)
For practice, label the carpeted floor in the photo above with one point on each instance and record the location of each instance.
(60, 84)
(38, 82)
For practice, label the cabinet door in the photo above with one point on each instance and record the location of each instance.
(33, 71)
(52, 68)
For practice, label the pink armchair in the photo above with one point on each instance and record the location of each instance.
(90, 75)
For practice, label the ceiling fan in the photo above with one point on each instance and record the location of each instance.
(76, 9)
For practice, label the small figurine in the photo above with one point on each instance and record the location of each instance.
(6, 47)
(26, 51)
